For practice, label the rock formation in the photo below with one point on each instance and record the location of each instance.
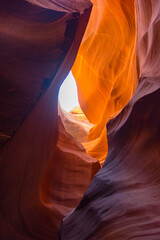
(41, 178)
(104, 67)
(76, 123)
(122, 201)
(44, 171)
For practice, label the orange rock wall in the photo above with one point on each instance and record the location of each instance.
(44, 172)
(105, 66)
(122, 201)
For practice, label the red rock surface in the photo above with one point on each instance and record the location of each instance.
(34, 42)
(44, 172)
(76, 123)
(122, 201)
(40, 177)
(104, 67)
(79, 126)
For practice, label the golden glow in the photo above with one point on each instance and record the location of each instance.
(104, 67)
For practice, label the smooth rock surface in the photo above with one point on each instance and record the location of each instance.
(38, 175)
(105, 67)
(122, 201)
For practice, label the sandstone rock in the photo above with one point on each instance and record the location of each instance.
(105, 66)
(38, 45)
(122, 201)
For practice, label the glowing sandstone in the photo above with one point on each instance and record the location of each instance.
(76, 123)
(122, 201)
(105, 67)
(39, 168)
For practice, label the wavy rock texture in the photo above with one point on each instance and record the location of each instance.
(38, 175)
(105, 83)
(78, 126)
(76, 123)
(31, 54)
(43, 173)
(67, 175)
(122, 201)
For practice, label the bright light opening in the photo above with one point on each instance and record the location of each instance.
(68, 97)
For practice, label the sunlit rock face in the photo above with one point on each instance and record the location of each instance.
(76, 123)
(122, 201)
(105, 67)
(79, 126)
(41, 179)
(44, 172)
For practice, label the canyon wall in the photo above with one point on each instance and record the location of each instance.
(105, 67)
(122, 201)
(43, 173)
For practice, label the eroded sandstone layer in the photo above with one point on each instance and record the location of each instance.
(40, 179)
(44, 172)
(105, 67)
(122, 201)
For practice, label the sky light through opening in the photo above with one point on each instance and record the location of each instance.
(68, 96)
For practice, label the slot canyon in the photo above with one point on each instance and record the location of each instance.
(92, 173)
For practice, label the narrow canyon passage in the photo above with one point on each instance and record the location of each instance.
(90, 171)
(75, 121)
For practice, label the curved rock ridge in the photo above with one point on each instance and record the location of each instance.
(31, 53)
(75, 123)
(148, 38)
(63, 5)
(122, 201)
(67, 176)
(105, 84)
(33, 43)
(78, 126)
(38, 47)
